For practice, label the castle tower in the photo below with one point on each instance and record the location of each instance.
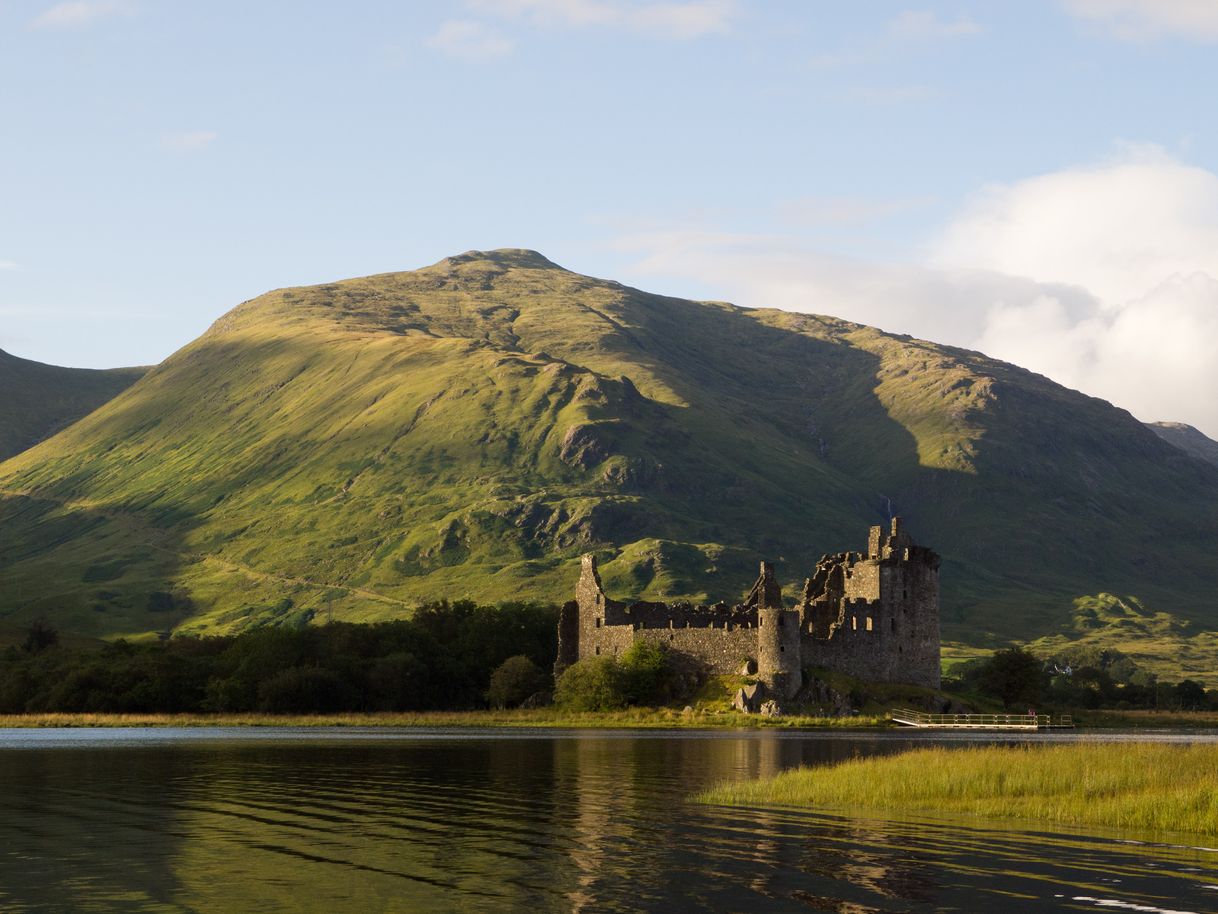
(778, 660)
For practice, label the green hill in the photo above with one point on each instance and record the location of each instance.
(1188, 439)
(347, 450)
(38, 400)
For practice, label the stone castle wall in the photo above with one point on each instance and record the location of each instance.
(872, 615)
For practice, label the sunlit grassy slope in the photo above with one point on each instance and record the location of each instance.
(348, 450)
(37, 400)
(1145, 787)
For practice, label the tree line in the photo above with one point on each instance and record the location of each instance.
(442, 658)
(1078, 677)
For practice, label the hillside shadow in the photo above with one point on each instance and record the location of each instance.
(88, 570)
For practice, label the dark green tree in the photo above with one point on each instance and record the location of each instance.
(593, 684)
(1014, 676)
(515, 680)
(40, 636)
(1190, 695)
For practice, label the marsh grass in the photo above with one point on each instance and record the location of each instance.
(647, 718)
(1140, 786)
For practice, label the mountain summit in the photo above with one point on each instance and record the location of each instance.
(350, 449)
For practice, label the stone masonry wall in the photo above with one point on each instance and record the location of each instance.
(873, 615)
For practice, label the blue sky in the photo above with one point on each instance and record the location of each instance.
(1033, 179)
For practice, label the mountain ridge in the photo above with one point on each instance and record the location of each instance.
(1188, 439)
(41, 399)
(467, 429)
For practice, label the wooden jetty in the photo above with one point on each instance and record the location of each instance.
(926, 721)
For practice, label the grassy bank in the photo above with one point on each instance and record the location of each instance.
(1147, 720)
(652, 718)
(1144, 786)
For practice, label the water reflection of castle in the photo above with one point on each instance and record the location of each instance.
(639, 844)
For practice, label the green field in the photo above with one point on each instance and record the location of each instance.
(349, 450)
(1144, 787)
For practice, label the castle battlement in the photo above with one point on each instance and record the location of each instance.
(874, 615)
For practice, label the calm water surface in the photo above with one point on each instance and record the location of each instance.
(537, 821)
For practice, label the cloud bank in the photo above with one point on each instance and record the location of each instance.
(1104, 278)
(1142, 20)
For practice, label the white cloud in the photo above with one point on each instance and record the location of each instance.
(683, 21)
(1152, 356)
(551, 12)
(922, 25)
(1139, 20)
(76, 14)
(468, 39)
(188, 141)
(678, 21)
(8, 265)
(1118, 228)
(1104, 278)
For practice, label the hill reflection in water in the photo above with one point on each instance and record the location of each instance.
(464, 821)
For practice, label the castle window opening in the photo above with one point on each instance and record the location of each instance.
(894, 626)
(869, 623)
(598, 621)
(598, 650)
(854, 623)
(905, 594)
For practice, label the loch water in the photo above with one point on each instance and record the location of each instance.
(218, 820)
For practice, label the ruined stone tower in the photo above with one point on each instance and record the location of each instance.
(778, 663)
(874, 615)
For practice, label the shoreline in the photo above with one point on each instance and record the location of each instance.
(657, 719)
(631, 719)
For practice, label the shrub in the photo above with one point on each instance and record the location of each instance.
(594, 684)
(649, 674)
(513, 681)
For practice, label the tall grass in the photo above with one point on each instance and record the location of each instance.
(1142, 786)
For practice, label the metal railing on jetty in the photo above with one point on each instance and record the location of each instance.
(925, 720)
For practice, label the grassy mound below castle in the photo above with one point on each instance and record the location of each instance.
(1143, 787)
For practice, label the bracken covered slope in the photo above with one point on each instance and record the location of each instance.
(347, 450)
(37, 400)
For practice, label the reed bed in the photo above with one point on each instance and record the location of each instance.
(1138, 786)
(644, 718)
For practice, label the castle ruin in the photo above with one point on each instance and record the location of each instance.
(874, 616)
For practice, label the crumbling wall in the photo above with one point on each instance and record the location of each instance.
(872, 615)
(875, 616)
(722, 637)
